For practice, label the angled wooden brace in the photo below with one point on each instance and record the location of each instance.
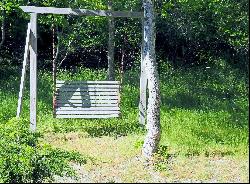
(25, 61)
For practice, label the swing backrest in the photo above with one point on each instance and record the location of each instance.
(87, 99)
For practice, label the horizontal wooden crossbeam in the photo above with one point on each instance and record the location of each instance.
(80, 12)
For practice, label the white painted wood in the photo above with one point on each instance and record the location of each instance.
(97, 93)
(143, 85)
(33, 72)
(60, 90)
(59, 105)
(87, 82)
(88, 109)
(80, 12)
(86, 112)
(87, 101)
(89, 116)
(22, 84)
(87, 98)
(87, 86)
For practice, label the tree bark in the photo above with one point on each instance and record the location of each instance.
(55, 50)
(153, 112)
(66, 54)
(123, 54)
(122, 63)
(246, 62)
(2, 30)
(111, 67)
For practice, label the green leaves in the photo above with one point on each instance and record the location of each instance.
(8, 5)
(23, 159)
(233, 23)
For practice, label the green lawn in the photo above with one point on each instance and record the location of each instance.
(204, 111)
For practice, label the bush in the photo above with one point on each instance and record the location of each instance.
(22, 159)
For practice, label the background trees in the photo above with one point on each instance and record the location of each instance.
(188, 33)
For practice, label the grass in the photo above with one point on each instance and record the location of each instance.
(205, 111)
(204, 114)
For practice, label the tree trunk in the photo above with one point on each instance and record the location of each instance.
(123, 54)
(122, 63)
(66, 54)
(2, 30)
(55, 56)
(175, 65)
(111, 67)
(153, 112)
(246, 62)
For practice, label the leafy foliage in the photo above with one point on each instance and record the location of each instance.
(188, 32)
(22, 159)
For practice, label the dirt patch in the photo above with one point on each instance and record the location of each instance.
(118, 160)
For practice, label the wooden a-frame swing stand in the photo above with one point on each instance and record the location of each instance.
(31, 53)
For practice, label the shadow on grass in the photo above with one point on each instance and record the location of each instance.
(97, 128)
(196, 93)
(116, 129)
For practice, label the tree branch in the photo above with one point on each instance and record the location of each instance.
(3, 29)
(66, 55)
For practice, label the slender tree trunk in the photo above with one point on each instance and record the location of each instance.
(153, 112)
(122, 63)
(111, 67)
(2, 30)
(55, 51)
(246, 71)
(174, 57)
(123, 53)
(66, 54)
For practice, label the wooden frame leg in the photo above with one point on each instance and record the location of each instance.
(143, 85)
(22, 84)
(33, 72)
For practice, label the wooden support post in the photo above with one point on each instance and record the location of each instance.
(22, 84)
(143, 84)
(33, 72)
(111, 46)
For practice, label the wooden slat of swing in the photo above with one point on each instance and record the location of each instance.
(92, 93)
(96, 86)
(86, 112)
(92, 98)
(87, 99)
(59, 105)
(87, 82)
(89, 116)
(92, 108)
(86, 89)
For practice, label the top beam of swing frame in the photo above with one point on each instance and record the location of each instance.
(81, 12)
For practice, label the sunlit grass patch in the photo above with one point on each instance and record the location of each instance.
(207, 169)
(210, 133)
(203, 111)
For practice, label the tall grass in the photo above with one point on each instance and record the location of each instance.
(203, 110)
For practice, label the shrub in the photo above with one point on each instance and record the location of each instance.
(22, 159)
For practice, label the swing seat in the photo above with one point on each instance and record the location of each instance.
(87, 99)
